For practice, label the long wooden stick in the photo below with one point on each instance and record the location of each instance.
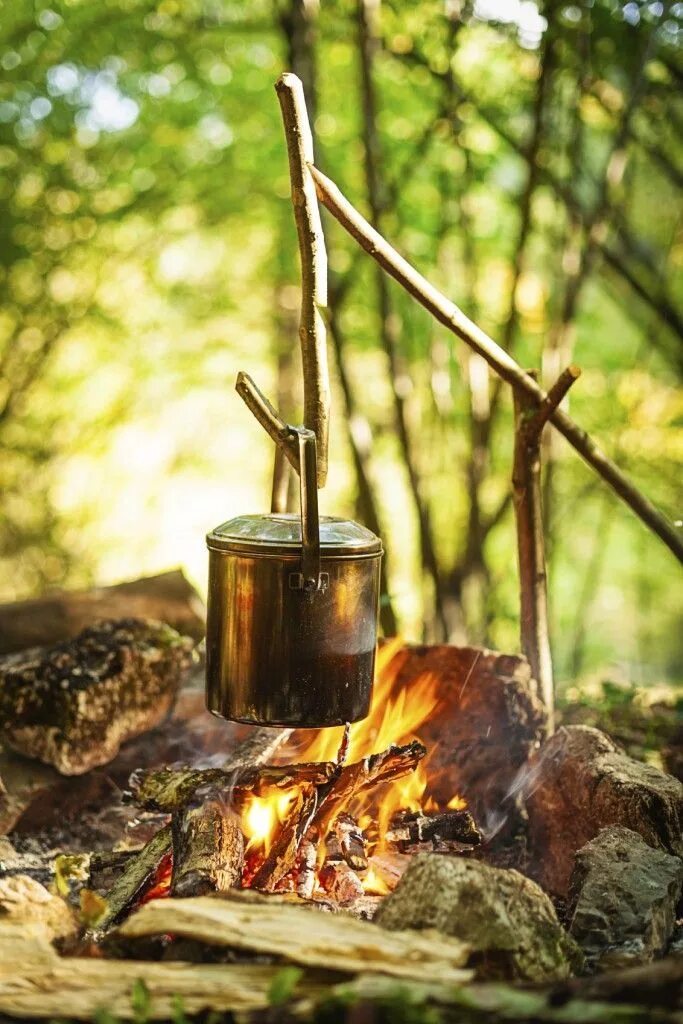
(448, 314)
(530, 419)
(312, 334)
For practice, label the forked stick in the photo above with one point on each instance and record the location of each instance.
(312, 333)
(530, 419)
(447, 313)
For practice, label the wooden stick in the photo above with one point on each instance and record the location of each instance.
(169, 789)
(264, 412)
(530, 418)
(313, 255)
(448, 314)
(137, 873)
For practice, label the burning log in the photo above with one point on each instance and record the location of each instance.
(171, 789)
(412, 831)
(317, 808)
(347, 838)
(208, 848)
(74, 704)
(136, 876)
(340, 881)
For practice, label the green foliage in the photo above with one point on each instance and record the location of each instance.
(147, 253)
(283, 985)
(140, 1001)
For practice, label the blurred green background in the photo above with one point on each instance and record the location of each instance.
(526, 157)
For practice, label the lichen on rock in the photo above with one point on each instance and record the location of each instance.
(508, 921)
(73, 705)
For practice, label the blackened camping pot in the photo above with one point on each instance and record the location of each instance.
(292, 614)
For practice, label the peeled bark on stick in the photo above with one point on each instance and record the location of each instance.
(170, 789)
(530, 418)
(208, 848)
(448, 314)
(312, 334)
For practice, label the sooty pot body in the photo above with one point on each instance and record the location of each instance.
(279, 652)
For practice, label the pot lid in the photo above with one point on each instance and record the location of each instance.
(281, 533)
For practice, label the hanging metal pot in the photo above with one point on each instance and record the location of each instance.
(292, 611)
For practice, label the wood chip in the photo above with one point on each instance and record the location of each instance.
(303, 937)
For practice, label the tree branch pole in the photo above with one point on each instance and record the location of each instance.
(530, 418)
(313, 255)
(448, 314)
(388, 326)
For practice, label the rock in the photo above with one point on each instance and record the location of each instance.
(623, 896)
(74, 704)
(506, 918)
(25, 901)
(488, 724)
(580, 782)
(62, 615)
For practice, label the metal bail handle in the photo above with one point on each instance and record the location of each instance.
(311, 578)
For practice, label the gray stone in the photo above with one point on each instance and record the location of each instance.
(506, 918)
(74, 704)
(623, 897)
(581, 781)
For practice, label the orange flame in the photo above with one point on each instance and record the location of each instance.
(396, 716)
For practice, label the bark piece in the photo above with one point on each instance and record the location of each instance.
(580, 782)
(409, 829)
(505, 918)
(486, 726)
(24, 901)
(331, 941)
(170, 789)
(208, 849)
(168, 597)
(74, 704)
(623, 898)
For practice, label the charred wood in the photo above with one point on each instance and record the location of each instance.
(414, 830)
(139, 872)
(208, 848)
(340, 881)
(346, 837)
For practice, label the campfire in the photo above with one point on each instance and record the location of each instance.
(335, 823)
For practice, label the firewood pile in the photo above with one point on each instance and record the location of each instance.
(444, 845)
